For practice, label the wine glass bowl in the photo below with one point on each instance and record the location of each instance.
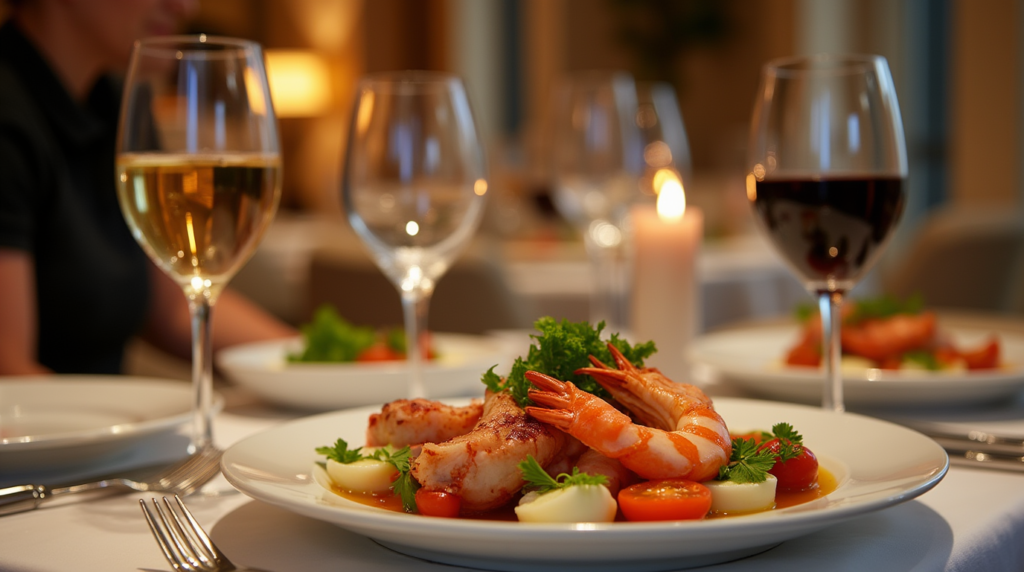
(414, 185)
(827, 163)
(198, 173)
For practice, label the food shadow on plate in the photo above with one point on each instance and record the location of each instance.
(271, 538)
(910, 536)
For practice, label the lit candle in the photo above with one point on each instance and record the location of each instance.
(666, 288)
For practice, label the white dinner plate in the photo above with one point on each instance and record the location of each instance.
(877, 464)
(60, 421)
(752, 358)
(263, 368)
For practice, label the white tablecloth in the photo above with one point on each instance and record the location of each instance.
(971, 521)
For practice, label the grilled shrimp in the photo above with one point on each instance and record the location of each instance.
(684, 436)
(481, 466)
(416, 421)
(594, 463)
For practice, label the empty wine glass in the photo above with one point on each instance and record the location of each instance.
(597, 155)
(198, 173)
(414, 186)
(827, 163)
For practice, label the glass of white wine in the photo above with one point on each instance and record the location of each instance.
(414, 186)
(198, 173)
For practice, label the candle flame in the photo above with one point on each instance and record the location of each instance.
(671, 200)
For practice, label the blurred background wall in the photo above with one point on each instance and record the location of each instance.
(957, 66)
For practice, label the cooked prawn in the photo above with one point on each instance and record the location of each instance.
(685, 438)
(594, 463)
(481, 466)
(417, 421)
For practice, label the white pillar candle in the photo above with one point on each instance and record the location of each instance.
(666, 289)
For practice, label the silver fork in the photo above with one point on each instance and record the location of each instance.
(181, 478)
(185, 544)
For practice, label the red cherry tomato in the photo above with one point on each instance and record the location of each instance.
(438, 503)
(805, 354)
(797, 474)
(985, 357)
(667, 499)
(378, 352)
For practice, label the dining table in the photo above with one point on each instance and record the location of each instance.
(972, 520)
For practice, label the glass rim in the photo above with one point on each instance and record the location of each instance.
(192, 45)
(823, 64)
(408, 81)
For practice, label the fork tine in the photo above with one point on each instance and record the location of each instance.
(158, 534)
(166, 544)
(197, 548)
(219, 559)
(180, 544)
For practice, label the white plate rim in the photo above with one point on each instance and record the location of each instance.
(305, 497)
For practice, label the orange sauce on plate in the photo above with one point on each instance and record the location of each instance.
(826, 485)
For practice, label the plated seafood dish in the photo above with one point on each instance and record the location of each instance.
(891, 334)
(578, 431)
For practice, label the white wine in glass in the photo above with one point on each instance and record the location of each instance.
(827, 165)
(198, 173)
(414, 186)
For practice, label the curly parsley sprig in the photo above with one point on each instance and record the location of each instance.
(404, 486)
(561, 348)
(750, 464)
(537, 479)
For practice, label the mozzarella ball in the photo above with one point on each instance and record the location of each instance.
(734, 498)
(365, 476)
(578, 503)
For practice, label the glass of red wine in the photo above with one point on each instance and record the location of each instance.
(827, 167)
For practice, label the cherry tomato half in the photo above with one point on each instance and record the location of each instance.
(438, 503)
(378, 352)
(985, 357)
(797, 474)
(667, 499)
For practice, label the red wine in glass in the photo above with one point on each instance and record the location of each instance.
(829, 229)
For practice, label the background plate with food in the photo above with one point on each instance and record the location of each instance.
(264, 368)
(754, 359)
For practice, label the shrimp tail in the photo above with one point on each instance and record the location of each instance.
(545, 382)
(559, 418)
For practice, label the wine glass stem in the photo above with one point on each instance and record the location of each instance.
(608, 296)
(830, 306)
(202, 373)
(414, 309)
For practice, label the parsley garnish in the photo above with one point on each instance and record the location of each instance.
(404, 486)
(561, 349)
(790, 442)
(924, 358)
(749, 464)
(340, 452)
(537, 479)
(878, 308)
(331, 338)
(884, 307)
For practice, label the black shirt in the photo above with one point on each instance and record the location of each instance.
(58, 202)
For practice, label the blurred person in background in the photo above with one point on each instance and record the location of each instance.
(75, 287)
